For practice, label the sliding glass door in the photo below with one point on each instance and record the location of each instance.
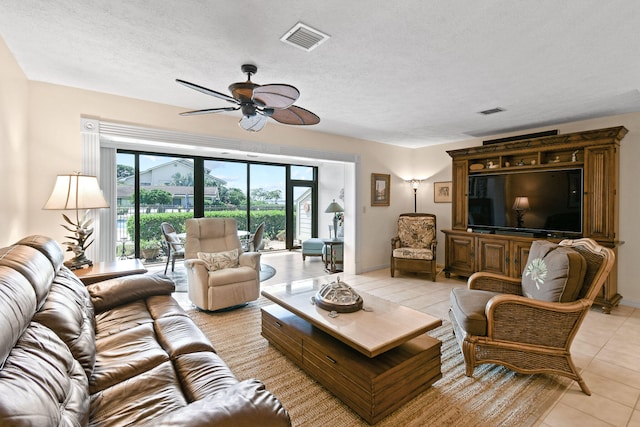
(267, 185)
(302, 201)
(151, 189)
(155, 188)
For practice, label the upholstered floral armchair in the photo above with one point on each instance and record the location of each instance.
(414, 247)
(528, 324)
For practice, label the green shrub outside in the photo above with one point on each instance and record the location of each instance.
(275, 221)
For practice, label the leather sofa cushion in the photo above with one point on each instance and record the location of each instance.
(114, 292)
(17, 305)
(124, 355)
(69, 313)
(179, 335)
(468, 307)
(47, 246)
(33, 265)
(43, 385)
(122, 318)
(139, 399)
(230, 407)
(203, 374)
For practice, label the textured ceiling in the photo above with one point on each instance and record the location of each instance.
(410, 73)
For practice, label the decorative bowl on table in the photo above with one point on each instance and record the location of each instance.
(339, 297)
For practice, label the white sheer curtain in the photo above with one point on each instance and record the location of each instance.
(100, 162)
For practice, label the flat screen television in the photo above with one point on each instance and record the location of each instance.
(554, 200)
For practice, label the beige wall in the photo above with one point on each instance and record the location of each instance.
(432, 158)
(54, 143)
(13, 147)
(41, 122)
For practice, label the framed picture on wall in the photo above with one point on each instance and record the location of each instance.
(442, 192)
(380, 189)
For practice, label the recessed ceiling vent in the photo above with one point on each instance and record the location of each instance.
(304, 37)
(491, 111)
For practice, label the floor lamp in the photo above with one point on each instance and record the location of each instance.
(76, 192)
(415, 183)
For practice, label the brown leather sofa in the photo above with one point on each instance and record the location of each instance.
(117, 352)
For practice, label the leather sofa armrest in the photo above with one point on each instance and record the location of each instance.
(122, 290)
(245, 404)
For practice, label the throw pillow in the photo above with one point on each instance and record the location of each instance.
(416, 232)
(553, 273)
(220, 260)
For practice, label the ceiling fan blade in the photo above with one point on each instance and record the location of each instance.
(209, 110)
(295, 116)
(275, 95)
(207, 91)
(253, 123)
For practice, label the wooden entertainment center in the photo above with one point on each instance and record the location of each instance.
(595, 151)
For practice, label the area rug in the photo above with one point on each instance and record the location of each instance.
(494, 396)
(266, 272)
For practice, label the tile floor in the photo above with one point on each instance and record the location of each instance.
(606, 349)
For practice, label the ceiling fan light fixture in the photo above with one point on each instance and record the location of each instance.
(258, 102)
(253, 123)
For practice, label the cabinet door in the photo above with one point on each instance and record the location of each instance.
(459, 194)
(519, 256)
(600, 193)
(460, 254)
(493, 255)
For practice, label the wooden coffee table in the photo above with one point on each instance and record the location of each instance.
(374, 360)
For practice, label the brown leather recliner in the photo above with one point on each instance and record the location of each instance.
(117, 352)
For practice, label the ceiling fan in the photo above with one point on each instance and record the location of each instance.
(258, 103)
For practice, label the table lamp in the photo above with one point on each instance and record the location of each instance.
(75, 192)
(334, 208)
(520, 205)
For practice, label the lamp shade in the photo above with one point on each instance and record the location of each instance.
(521, 204)
(415, 183)
(334, 207)
(76, 192)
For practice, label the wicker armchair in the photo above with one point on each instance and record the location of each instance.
(414, 247)
(525, 334)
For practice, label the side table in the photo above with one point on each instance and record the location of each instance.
(110, 270)
(331, 243)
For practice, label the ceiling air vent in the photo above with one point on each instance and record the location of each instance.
(304, 37)
(491, 111)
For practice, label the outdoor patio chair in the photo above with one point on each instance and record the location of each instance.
(173, 245)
